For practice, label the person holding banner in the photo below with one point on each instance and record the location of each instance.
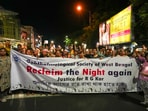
(4, 74)
(143, 77)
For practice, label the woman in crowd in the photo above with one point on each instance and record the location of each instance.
(143, 77)
(4, 74)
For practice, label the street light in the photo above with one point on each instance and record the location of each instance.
(80, 7)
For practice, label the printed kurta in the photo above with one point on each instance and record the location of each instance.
(4, 73)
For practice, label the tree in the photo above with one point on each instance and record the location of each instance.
(140, 10)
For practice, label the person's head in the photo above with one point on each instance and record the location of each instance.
(23, 50)
(58, 53)
(7, 44)
(3, 52)
(45, 52)
(19, 47)
(29, 51)
(36, 52)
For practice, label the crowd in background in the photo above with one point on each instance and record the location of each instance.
(74, 51)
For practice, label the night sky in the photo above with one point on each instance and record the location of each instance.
(49, 18)
(53, 18)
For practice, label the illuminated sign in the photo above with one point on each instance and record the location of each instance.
(118, 28)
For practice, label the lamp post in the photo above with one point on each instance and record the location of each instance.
(79, 9)
(89, 17)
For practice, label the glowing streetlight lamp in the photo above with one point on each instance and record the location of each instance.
(79, 8)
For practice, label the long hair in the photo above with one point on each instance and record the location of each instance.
(7, 54)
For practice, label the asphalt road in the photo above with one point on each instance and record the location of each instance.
(74, 102)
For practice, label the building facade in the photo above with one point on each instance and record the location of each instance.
(9, 24)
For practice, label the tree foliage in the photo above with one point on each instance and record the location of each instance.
(140, 10)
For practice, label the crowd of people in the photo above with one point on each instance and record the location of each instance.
(74, 52)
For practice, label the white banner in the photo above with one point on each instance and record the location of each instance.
(67, 75)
